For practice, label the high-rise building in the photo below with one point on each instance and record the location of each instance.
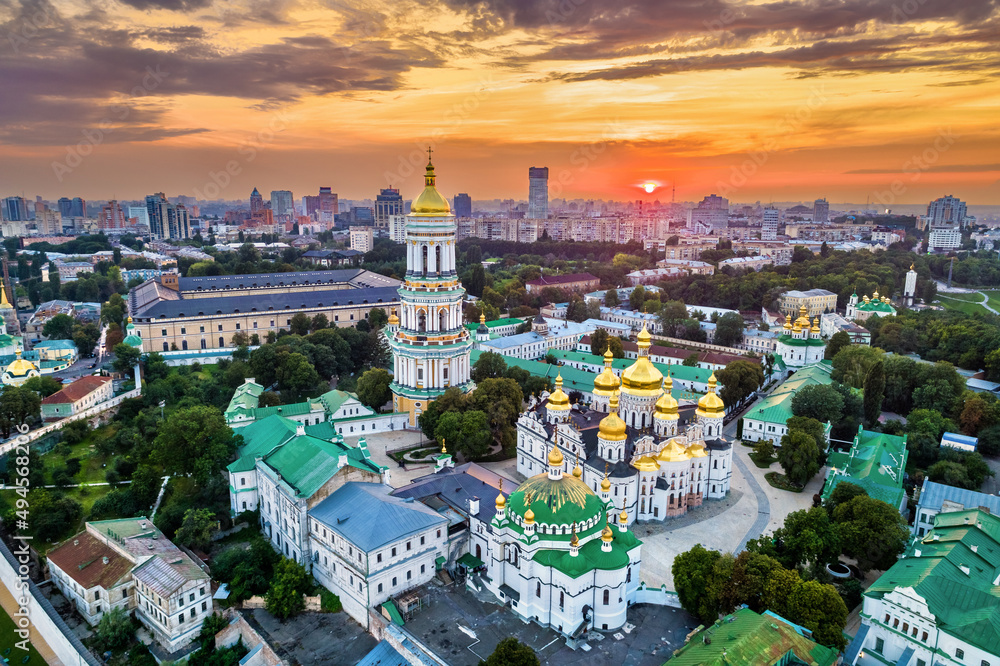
(769, 224)
(65, 206)
(463, 205)
(946, 211)
(48, 221)
(389, 202)
(15, 209)
(821, 210)
(282, 202)
(75, 207)
(710, 215)
(166, 220)
(256, 202)
(538, 193)
(362, 238)
(139, 214)
(429, 343)
(310, 205)
(112, 216)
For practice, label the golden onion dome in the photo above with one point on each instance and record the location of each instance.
(606, 484)
(788, 323)
(912, 267)
(558, 400)
(555, 455)
(575, 541)
(710, 404)
(815, 326)
(642, 378)
(674, 451)
(623, 517)
(612, 428)
(875, 295)
(606, 382)
(644, 337)
(20, 367)
(696, 450)
(529, 516)
(4, 303)
(501, 501)
(430, 203)
(577, 470)
(393, 320)
(607, 536)
(667, 407)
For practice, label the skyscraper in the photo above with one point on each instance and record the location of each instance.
(946, 211)
(112, 216)
(821, 211)
(140, 214)
(538, 193)
(15, 209)
(463, 205)
(769, 225)
(256, 202)
(429, 343)
(78, 208)
(282, 202)
(711, 214)
(166, 221)
(389, 202)
(65, 206)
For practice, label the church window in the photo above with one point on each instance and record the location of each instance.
(562, 599)
(538, 589)
(607, 597)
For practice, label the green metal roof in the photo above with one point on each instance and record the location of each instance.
(795, 342)
(965, 605)
(246, 397)
(749, 639)
(876, 462)
(777, 407)
(56, 344)
(590, 557)
(334, 399)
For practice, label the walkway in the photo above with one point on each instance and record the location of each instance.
(763, 506)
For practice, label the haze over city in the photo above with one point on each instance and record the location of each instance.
(760, 101)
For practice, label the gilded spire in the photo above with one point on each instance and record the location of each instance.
(577, 471)
(4, 303)
(574, 542)
(623, 516)
(443, 449)
(501, 500)
(529, 515)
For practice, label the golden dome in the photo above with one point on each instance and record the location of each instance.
(666, 406)
(612, 428)
(815, 326)
(867, 299)
(642, 377)
(555, 455)
(607, 536)
(558, 401)
(607, 381)
(575, 541)
(529, 516)
(501, 500)
(875, 295)
(606, 484)
(788, 323)
(393, 320)
(4, 303)
(577, 470)
(644, 337)
(674, 451)
(912, 268)
(696, 450)
(20, 367)
(430, 203)
(623, 517)
(710, 404)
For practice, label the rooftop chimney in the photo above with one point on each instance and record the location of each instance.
(104, 559)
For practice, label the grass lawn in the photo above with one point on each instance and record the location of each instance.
(92, 464)
(781, 482)
(963, 304)
(7, 640)
(762, 463)
(994, 299)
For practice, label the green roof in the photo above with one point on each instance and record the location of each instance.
(749, 639)
(875, 306)
(795, 342)
(590, 557)
(876, 462)
(334, 399)
(965, 605)
(295, 409)
(246, 397)
(56, 344)
(777, 407)
(394, 614)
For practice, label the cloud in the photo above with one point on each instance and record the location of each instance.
(947, 168)
(169, 5)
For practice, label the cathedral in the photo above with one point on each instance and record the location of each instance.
(800, 344)
(561, 554)
(430, 344)
(655, 469)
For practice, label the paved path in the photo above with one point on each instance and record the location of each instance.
(763, 506)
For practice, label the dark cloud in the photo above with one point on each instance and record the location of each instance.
(169, 5)
(175, 34)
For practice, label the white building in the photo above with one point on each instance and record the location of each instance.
(397, 228)
(754, 263)
(362, 238)
(800, 344)
(942, 239)
(769, 224)
(545, 335)
(368, 546)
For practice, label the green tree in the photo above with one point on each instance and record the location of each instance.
(637, 298)
(693, 573)
(511, 652)
(811, 426)
(43, 385)
(820, 609)
(936, 395)
(818, 401)
(59, 327)
(611, 298)
(17, 406)
(196, 529)
(673, 316)
(300, 324)
(318, 322)
(475, 280)
(843, 492)
(808, 537)
(852, 363)
(799, 456)
(501, 400)
(874, 392)
(449, 429)
(51, 515)
(295, 375)
(290, 582)
(838, 341)
(740, 379)
(126, 358)
(691, 361)
(194, 440)
(378, 318)
(115, 630)
(599, 342)
(475, 439)
(729, 329)
(871, 531)
(490, 365)
(373, 388)
(85, 337)
(752, 573)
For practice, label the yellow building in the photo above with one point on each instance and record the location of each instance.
(815, 301)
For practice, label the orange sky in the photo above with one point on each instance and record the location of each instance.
(847, 99)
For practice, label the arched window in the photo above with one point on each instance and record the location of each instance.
(538, 589)
(479, 552)
(422, 321)
(437, 258)
(423, 253)
(607, 597)
(442, 319)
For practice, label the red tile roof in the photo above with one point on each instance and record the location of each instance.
(78, 389)
(82, 559)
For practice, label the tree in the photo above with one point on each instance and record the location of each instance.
(126, 358)
(611, 298)
(799, 456)
(842, 493)
(819, 401)
(320, 321)
(373, 388)
(637, 298)
(290, 582)
(936, 395)
(295, 374)
(300, 324)
(852, 363)
(43, 385)
(691, 361)
(598, 342)
(449, 429)
(511, 652)
(59, 327)
(740, 379)
(871, 532)
(115, 630)
(874, 392)
(808, 537)
(729, 329)
(378, 318)
(194, 440)
(17, 405)
(196, 529)
(490, 365)
(819, 608)
(672, 317)
(838, 341)
(475, 439)
(501, 400)
(693, 578)
(52, 515)
(85, 337)
(475, 280)
(979, 411)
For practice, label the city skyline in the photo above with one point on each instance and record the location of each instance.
(753, 102)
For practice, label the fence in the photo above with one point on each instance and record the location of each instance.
(660, 596)
(43, 618)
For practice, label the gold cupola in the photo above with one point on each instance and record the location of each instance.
(430, 203)
(606, 483)
(788, 323)
(558, 400)
(674, 451)
(710, 405)
(667, 408)
(501, 501)
(4, 303)
(642, 378)
(612, 428)
(815, 327)
(606, 383)
(555, 455)
(803, 320)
